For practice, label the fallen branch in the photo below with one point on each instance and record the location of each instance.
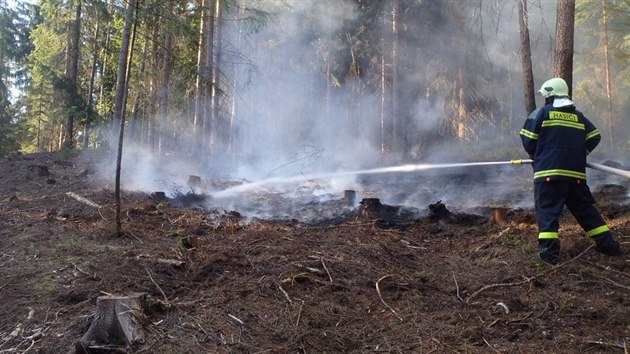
(519, 319)
(378, 291)
(526, 280)
(80, 270)
(285, 294)
(608, 269)
(606, 344)
(236, 319)
(297, 322)
(490, 346)
(327, 272)
(172, 262)
(83, 200)
(457, 288)
(612, 282)
(156, 284)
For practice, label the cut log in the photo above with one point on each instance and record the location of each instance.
(115, 327)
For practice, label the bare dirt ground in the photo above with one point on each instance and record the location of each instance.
(444, 283)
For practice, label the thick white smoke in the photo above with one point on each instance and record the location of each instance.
(294, 117)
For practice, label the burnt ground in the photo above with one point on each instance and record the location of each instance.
(441, 283)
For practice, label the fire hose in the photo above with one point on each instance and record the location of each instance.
(595, 166)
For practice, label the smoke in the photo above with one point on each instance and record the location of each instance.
(299, 113)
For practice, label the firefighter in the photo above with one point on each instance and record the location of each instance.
(558, 137)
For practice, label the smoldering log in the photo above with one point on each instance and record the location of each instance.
(372, 207)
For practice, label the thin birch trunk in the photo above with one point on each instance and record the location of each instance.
(119, 101)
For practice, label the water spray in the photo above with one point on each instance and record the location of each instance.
(403, 168)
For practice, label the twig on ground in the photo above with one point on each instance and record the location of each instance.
(236, 319)
(378, 291)
(83, 200)
(527, 279)
(607, 268)
(612, 282)
(490, 346)
(519, 319)
(494, 322)
(457, 288)
(607, 344)
(134, 236)
(80, 270)
(297, 322)
(156, 284)
(285, 294)
(326, 269)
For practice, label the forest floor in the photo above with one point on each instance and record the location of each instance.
(442, 283)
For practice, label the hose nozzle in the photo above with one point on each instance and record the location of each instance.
(520, 162)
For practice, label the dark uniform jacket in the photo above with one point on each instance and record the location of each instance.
(558, 139)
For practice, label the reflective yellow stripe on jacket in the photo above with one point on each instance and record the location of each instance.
(529, 134)
(592, 134)
(559, 172)
(562, 123)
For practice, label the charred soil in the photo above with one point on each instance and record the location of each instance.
(216, 284)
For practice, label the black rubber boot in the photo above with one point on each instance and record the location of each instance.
(549, 250)
(606, 244)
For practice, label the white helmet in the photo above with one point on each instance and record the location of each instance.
(554, 87)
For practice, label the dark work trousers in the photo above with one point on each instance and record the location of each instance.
(551, 197)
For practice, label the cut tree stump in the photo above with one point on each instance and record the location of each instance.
(349, 197)
(37, 171)
(115, 326)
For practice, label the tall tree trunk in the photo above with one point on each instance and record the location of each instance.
(399, 138)
(71, 109)
(233, 103)
(163, 91)
(104, 62)
(563, 51)
(198, 112)
(205, 68)
(133, 118)
(526, 57)
(383, 103)
(154, 87)
(218, 131)
(119, 101)
(86, 135)
(611, 126)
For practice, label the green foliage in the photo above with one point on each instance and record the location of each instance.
(462, 86)
(606, 27)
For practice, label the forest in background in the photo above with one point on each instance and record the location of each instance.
(252, 86)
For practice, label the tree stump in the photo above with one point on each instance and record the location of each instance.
(115, 326)
(438, 211)
(37, 171)
(194, 181)
(349, 197)
(499, 216)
